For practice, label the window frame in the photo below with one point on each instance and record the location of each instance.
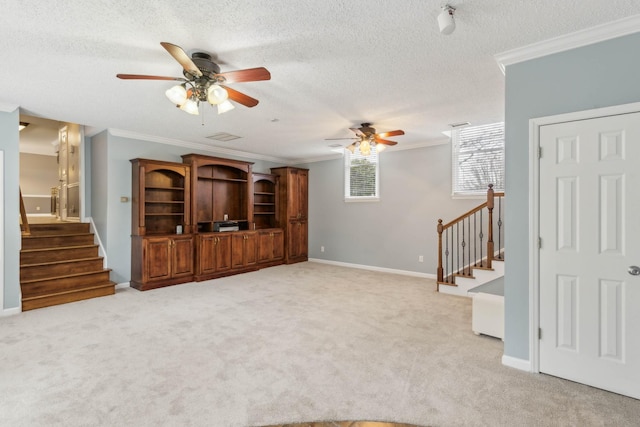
(348, 159)
(456, 191)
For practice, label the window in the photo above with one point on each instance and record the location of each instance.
(361, 176)
(478, 159)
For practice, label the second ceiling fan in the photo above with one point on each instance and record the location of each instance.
(366, 138)
(204, 82)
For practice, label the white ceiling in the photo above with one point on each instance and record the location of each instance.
(334, 64)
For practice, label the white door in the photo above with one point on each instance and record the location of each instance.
(590, 236)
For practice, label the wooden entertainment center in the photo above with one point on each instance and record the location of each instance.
(179, 208)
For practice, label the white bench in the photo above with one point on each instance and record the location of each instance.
(487, 315)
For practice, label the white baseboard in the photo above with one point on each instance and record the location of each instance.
(514, 362)
(123, 285)
(10, 311)
(373, 268)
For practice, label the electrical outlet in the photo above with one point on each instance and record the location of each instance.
(321, 248)
(420, 258)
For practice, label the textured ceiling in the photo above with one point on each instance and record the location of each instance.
(334, 64)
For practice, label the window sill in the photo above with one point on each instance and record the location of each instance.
(469, 196)
(361, 199)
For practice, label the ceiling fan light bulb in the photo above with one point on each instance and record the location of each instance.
(365, 147)
(446, 23)
(191, 107)
(217, 95)
(225, 106)
(380, 147)
(177, 94)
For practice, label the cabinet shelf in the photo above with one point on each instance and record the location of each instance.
(263, 193)
(165, 202)
(165, 214)
(264, 204)
(264, 213)
(152, 187)
(208, 178)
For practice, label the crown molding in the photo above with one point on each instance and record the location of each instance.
(195, 145)
(588, 36)
(8, 108)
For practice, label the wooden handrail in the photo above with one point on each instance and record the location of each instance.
(23, 217)
(463, 248)
(471, 212)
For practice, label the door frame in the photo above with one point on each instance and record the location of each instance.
(534, 210)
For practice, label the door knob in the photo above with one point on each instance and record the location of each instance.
(634, 270)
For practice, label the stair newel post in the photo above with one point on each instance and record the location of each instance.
(440, 269)
(490, 225)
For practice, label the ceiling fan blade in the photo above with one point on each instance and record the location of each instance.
(180, 56)
(391, 133)
(248, 75)
(384, 141)
(144, 77)
(241, 98)
(358, 132)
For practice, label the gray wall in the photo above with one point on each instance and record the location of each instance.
(415, 190)
(595, 76)
(9, 143)
(38, 173)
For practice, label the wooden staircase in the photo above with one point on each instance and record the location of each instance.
(59, 263)
(471, 247)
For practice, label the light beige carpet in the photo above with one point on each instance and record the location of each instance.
(305, 342)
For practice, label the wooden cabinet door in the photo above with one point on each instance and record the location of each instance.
(251, 249)
(302, 193)
(265, 246)
(157, 259)
(207, 253)
(270, 245)
(278, 244)
(303, 236)
(297, 242)
(293, 241)
(237, 250)
(244, 248)
(223, 253)
(182, 256)
(293, 201)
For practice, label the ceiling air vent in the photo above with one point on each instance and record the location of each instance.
(223, 136)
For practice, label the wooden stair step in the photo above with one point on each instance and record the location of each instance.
(64, 297)
(35, 256)
(60, 228)
(48, 241)
(60, 268)
(48, 285)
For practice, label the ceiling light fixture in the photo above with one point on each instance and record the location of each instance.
(446, 23)
(187, 96)
(22, 125)
(365, 145)
(368, 139)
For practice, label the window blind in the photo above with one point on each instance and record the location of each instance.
(361, 175)
(478, 159)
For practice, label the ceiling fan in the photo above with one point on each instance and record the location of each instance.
(367, 138)
(204, 82)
